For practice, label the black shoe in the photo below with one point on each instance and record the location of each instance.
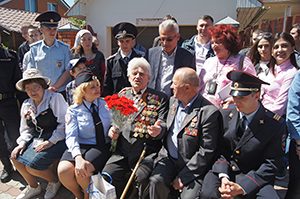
(6, 176)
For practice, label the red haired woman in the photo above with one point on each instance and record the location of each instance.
(226, 45)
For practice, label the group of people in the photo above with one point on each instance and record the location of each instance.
(212, 119)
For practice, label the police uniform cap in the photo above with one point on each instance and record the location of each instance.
(123, 30)
(84, 76)
(49, 19)
(243, 83)
(74, 62)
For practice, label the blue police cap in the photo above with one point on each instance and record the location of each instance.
(74, 62)
(49, 19)
(123, 30)
(84, 76)
(243, 83)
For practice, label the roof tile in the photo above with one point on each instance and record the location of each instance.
(12, 19)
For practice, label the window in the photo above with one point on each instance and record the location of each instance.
(52, 6)
(30, 5)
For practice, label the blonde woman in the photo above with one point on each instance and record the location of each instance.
(87, 124)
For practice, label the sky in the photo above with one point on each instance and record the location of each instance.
(70, 2)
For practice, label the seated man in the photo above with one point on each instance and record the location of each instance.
(191, 146)
(252, 145)
(148, 127)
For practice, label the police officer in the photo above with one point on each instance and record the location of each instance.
(116, 74)
(49, 55)
(9, 111)
(252, 145)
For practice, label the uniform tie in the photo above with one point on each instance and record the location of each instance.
(242, 126)
(126, 60)
(100, 140)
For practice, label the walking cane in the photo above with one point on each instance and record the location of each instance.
(133, 172)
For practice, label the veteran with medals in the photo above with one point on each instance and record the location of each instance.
(191, 146)
(252, 145)
(147, 127)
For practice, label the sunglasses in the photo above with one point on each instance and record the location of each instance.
(264, 35)
(168, 39)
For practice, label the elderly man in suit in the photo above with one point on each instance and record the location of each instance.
(191, 146)
(168, 57)
(252, 145)
(148, 127)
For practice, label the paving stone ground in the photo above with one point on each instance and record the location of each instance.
(13, 188)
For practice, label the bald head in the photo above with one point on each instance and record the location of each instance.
(188, 76)
(185, 84)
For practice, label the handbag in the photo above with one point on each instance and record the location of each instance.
(99, 188)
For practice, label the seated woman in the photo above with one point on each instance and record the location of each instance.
(87, 124)
(42, 134)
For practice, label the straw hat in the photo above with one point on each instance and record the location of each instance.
(31, 73)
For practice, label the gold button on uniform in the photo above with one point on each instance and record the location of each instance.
(237, 152)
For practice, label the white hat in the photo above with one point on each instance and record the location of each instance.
(79, 34)
(31, 73)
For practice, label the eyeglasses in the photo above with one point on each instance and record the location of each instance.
(167, 39)
(33, 88)
(263, 35)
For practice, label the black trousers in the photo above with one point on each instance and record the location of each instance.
(212, 182)
(294, 173)
(9, 126)
(120, 172)
(164, 173)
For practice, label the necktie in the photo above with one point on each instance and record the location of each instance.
(242, 127)
(126, 60)
(100, 140)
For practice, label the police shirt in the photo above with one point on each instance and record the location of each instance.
(80, 128)
(52, 61)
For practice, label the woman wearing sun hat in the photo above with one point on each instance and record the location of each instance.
(42, 134)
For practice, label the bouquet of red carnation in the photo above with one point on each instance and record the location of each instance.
(122, 110)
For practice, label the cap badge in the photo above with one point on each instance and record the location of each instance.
(51, 20)
(236, 85)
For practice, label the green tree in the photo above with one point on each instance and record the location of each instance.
(77, 22)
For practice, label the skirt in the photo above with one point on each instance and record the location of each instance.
(42, 160)
(98, 157)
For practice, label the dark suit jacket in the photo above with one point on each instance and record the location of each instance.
(258, 152)
(116, 73)
(198, 138)
(189, 44)
(182, 58)
(153, 106)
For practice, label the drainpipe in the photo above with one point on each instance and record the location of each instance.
(287, 13)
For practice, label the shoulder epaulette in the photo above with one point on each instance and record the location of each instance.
(277, 117)
(62, 43)
(274, 116)
(36, 43)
